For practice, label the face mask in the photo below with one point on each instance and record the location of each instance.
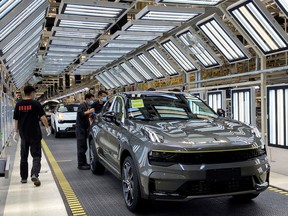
(104, 99)
(90, 102)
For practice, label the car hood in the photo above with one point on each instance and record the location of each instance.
(197, 134)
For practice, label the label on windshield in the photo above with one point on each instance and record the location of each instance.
(137, 103)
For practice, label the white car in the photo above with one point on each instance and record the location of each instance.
(63, 120)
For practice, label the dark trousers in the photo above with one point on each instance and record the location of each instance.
(35, 151)
(82, 136)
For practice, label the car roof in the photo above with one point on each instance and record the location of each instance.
(152, 93)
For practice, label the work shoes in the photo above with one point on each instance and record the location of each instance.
(35, 180)
(23, 181)
(84, 167)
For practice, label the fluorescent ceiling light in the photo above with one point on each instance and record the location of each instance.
(17, 20)
(109, 55)
(167, 13)
(135, 36)
(64, 49)
(83, 24)
(222, 37)
(91, 10)
(117, 51)
(150, 65)
(123, 74)
(6, 6)
(151, 26)
(123, 44)
(172, 47)
(116, 75)
(61, 54)
(75, 34)
(112, 79)
(161, 59)
(200, 50)
(30, 41)
(69, 42)
(24, 32)
(283, 5)
(140, 69)
(103, 82)
(193, 2)
(106, 80)
(130, 71)
(262, 28)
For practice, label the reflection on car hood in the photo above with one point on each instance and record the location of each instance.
(197, 134)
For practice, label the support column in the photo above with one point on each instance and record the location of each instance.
(263, 101)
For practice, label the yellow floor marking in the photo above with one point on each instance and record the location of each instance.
(64, 184)
(278, 190)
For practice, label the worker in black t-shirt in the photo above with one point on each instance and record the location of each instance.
(102, 98)
(26, 115)
(82, 127)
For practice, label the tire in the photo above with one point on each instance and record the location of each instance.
(96, 167)
(246, 197)
(57, 134)
(130, 185)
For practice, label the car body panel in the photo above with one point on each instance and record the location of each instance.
(201, 157)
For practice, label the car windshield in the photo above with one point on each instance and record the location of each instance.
(168, 106)
(68, 108)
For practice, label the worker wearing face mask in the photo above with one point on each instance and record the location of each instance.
(82, 127)
(102, 98)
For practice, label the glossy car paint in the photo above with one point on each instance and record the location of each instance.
(138, 138)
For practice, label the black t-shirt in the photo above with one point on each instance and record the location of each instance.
(97, 106)
(28, 112)
(82, 120)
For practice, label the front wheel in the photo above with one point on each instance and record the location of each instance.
(96, 167)
(130, 185)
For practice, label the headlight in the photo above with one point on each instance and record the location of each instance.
(152, 135)
(257, 133)
(160, 158)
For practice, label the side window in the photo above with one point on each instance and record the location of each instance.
(108, 105)
(118, 107)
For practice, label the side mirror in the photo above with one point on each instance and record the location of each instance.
(221, 112)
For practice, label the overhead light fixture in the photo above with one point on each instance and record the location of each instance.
(160, 57)
(116, 75)
(151, 66)
(103, 82)
(83, 24)
(38, 21)
(111, 79)
(106, 80)
(135, 36)
(139, 67)
(19, 18)
(175, 14)
(149, 26)
(206, 56)
(117, 50)
(183, 59)
(123, 44)
(262, 28)
(69, 42)
(61, 54)
(18, 58)
(283, 5)
(224, 40)
(193, 2)
(76, 33)
(93, 9)
(65, 49)
(124, 75)
(6, 6)
(131, 72)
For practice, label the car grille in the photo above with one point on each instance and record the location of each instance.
(205, 157)
(206, 187)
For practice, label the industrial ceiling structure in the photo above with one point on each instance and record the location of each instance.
(125, 43)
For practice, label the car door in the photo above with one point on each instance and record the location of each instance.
(114, 133)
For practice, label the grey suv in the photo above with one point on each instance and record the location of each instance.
(171, 145)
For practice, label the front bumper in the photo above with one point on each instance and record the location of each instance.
(66, 128)
(180, 182)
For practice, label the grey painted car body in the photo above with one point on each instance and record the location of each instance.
(198, 157)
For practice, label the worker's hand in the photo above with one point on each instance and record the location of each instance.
(48, 130)
(91, 110)
(15, 137)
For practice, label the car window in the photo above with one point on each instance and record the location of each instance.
(118, 107)
(68, 108)
(107, 105)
